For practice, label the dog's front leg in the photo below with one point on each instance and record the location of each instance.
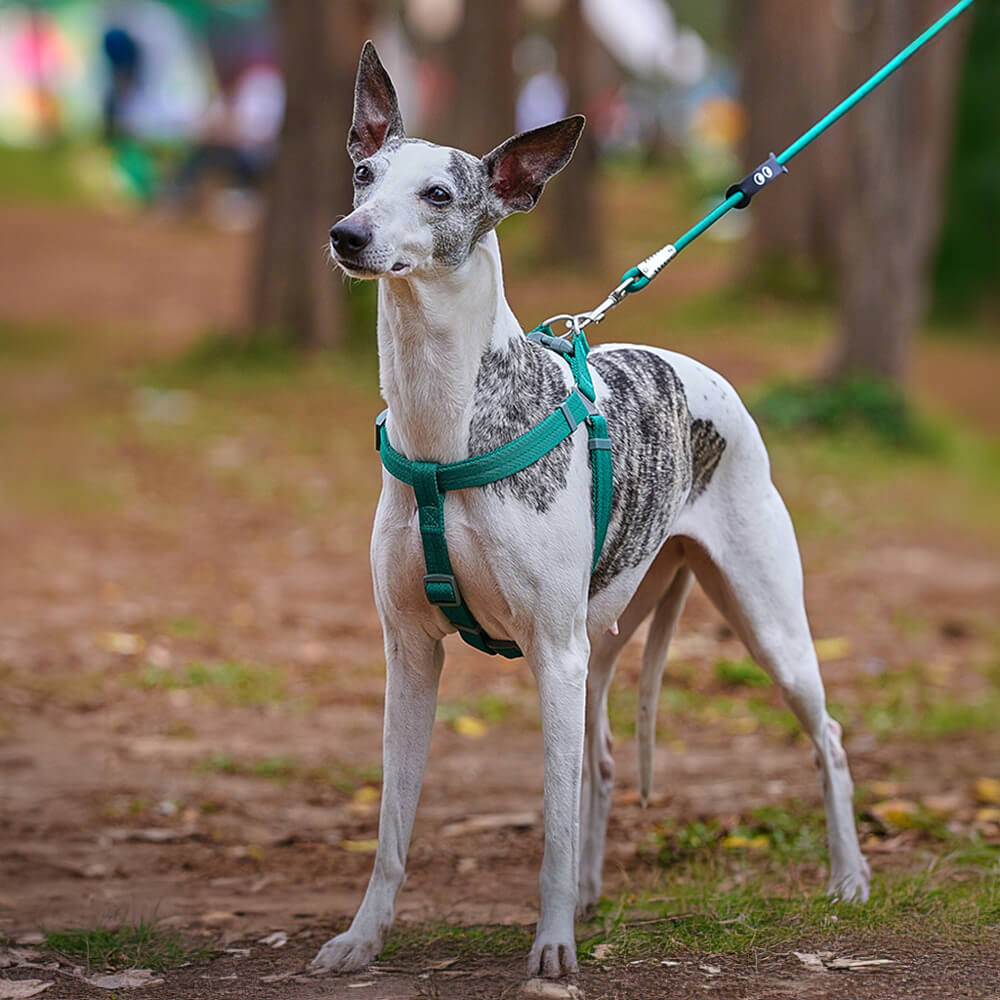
(413, 667)
(561, 672)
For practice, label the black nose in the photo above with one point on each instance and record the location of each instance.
(350, 237)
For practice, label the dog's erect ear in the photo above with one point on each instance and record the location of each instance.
(517, 169)
(376, 110)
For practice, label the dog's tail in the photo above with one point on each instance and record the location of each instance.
(654, 659)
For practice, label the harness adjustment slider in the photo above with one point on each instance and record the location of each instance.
(770, 170)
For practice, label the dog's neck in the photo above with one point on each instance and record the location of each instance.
(432, 334)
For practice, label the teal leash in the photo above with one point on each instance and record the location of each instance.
(739, 195)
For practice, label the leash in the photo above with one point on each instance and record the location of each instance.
(739, 195)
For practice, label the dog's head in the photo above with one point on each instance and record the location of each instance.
(422, 208)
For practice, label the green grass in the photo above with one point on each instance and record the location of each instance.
(740, 673)
(705, 916)
(144, 944)
(227, 683)
(707, 919)
(858, 403)
(44, 174)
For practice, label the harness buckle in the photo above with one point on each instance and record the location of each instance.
(452, 600)
(379, 424)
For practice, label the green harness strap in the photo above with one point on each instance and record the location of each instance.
(431, 480)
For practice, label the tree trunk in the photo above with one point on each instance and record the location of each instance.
(571, 207)
(485, 88)
(295, 291)
(789, 81)
(895, 146)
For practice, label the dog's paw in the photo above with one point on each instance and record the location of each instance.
(850, 887)
(552, 959)
(347, 952)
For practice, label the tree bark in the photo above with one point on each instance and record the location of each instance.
(895, 151)
(485, 89)
(295, 292)
(789, 81)
(572, 212)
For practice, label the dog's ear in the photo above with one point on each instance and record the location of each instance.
(376, 110)
(516, 171)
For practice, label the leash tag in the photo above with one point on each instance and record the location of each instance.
(770, 170)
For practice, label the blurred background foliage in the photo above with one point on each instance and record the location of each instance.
(231, 113)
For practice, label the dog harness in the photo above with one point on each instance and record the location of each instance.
(431, 480)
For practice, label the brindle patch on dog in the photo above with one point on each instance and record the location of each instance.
(707, 446)
(516, 389)
(649, 423)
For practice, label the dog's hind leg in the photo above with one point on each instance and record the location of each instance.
(664, 587)
(413, 667)
(654, 659)
(742, 549)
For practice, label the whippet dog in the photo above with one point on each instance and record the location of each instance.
(692, 498)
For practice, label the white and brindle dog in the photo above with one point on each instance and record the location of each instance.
(692, 498)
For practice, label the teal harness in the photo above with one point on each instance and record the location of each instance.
(432, 480)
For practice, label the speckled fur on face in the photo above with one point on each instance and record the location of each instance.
(454, 228)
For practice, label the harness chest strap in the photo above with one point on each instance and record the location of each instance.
(431, 480)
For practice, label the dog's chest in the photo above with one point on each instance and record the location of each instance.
(648, 421)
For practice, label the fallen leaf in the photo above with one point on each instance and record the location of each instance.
(813, 960)
(21, 989)
(123, 643)
(944, 805)
(988, 814)
(489, 821)
(987, 791)
(358, 986)
(669, 962)
(132, 979)
(276, 940)
(833, 648)
(901, 813)
(601, 951)
(542, 989)
(467, 725)
(366, 793)
(710, 970)
(737, 841)
(858, 963)
(215, 917)
(360, 846)
(17, 956)
(277, 978)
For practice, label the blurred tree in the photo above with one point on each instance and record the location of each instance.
(295, 293)
(782, 41)
(572, 211)
(866, 200)
(480, 54)
(895, 150)
(967, 273)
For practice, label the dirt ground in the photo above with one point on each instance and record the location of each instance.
(236, 808)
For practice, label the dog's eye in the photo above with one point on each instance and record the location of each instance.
(437, 195)
(363, 174)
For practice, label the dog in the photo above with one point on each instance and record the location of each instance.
(692, 498)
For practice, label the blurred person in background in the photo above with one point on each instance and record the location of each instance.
(238, 133)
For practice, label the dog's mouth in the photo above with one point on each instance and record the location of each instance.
(358, 270)
(355, 269)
